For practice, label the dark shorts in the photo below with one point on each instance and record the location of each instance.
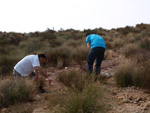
(16, 74)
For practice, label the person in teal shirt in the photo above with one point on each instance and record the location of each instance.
(96, 46)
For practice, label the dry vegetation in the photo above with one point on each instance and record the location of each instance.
(82, 96)
(65, 48)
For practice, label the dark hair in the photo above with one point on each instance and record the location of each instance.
(42, 55)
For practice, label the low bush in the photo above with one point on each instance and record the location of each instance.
(59, 57)
(145, 74)
(72, 78)
(131, 50)
(6, 64)
(31, 45)
(89, 100)
(117, 43)
(145, 43)
(16, 90)
(79, 54)
(133, 73)
(123, 74)
(22, 108)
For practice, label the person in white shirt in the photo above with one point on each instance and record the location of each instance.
(28, 64)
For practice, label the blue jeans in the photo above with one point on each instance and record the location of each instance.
(97, 54)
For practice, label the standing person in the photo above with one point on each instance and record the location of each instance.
(29, 64)
(96, 46)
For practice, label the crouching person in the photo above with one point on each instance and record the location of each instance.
(29, 64)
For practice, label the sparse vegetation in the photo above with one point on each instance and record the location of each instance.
(134, 72)
(16, 90)
(22, 108)
(73, 79)
(6, 64)
(123, 74)
(76, 100)
(65, 48)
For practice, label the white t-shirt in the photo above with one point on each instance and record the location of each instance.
(26, 66)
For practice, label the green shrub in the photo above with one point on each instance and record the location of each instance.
(72, 78)
(145, 43)
(108, 45)
(73, 43)
(89, 100)
(16, 90)
(123, 74)
(133, 73)
(131, 50)
(55, 43)
(6, 64)
(59, 57)
(32, 45)
(22, 108)
(137, 76)
(140, 74)
(48, 35)
(79, 54)
(145, 74)
(117, 43)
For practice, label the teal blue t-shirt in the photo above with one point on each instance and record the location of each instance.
(95, 41)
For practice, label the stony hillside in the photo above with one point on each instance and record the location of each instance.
(118, 100)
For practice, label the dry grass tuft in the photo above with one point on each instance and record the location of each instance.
(16, 90)
(75, 101)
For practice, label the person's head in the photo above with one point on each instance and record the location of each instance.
(42, 58)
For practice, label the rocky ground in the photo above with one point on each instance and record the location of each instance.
(119, 100)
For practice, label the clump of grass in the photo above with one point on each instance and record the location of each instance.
(108, 44)
(72, 43)
(131, 73)
(31, 45)
(74, 101)
(16, 90)
(137, 76)
(6, 64)
(145, 43)
(117, 43)
(140, 74)
(131, 50)
(123, 74)
(79, 54)
(145, 74)
(22, 108)
(72, 78)
(59, 57)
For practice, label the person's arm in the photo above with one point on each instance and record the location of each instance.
(42, 72)
(88, 45)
